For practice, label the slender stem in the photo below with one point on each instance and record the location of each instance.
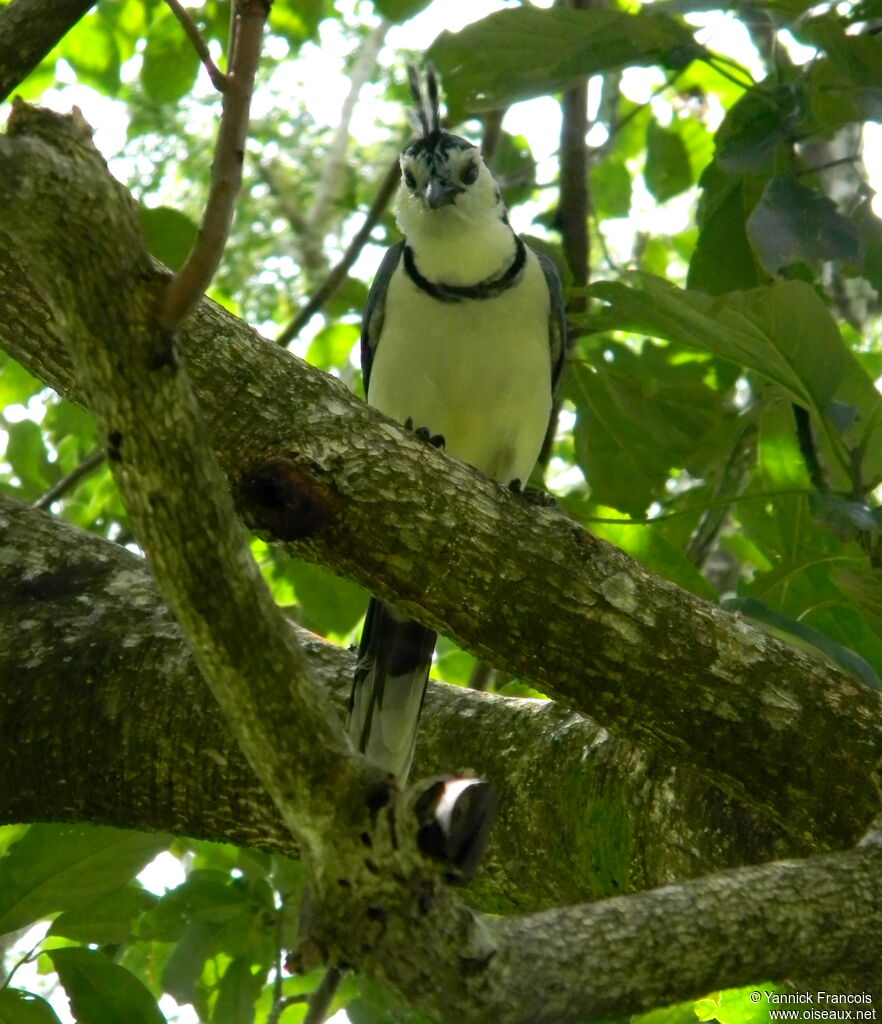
(323, 995)
(330, 284)
(185, 288)
(67, 483)
(218, 78)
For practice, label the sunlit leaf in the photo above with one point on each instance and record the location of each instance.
(65, 867)
(171, 64)
(518, 53)
(170, 234)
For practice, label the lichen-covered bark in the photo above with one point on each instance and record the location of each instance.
(85, 639)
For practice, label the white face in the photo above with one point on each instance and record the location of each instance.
(443, 183)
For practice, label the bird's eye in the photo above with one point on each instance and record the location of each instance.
(469, 173)
(409, 179)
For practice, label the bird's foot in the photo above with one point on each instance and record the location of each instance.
(534, 495)
(424, 434)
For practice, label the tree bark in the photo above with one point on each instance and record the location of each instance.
(85, 639)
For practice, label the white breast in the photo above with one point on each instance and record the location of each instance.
(477, 371)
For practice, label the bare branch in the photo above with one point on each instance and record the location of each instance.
(185, 289)
(89, 463)
(339, 272)
(218, 78)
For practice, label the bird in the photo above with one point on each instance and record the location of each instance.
(463, 341)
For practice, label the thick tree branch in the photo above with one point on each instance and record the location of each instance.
(173, 486)
(79, 609)
(29, 29)
(635, 652)
(186, 287)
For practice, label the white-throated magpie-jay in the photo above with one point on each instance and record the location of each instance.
(463, 337)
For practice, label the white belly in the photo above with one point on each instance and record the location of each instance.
(478, 371)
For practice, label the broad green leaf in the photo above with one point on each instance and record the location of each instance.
(737, 1005)
(668, 171)
(847, 86)
(783, 331)
(752, 130)
(333, 344)
(630, 433)
(64, 867)
(171, 64)
(19, 1007)
(92, 50)
(869, 228)
(328, 603)
(794, 224)
(523, 52)
(102, 992)
(723, 260)
(27, 454)
(16, 384)
(237, 994)
(170, 234)
(611, 189)
(110, 918)
(400, 10)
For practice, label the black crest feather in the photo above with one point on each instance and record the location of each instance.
(426, 101)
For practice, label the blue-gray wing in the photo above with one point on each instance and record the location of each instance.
(557, 320)
(375, 309)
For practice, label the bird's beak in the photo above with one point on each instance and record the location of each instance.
(440, 193)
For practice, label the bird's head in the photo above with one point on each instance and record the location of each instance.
(443, 178)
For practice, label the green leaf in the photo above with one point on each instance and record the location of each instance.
(723, 260)
(519, 53)
(170, 234)
(64, 867)
(752, 130)
(333, 345)
(783, 331)
(16, 384)
(110, 918)
(668, 171)
(19, 1007)
(26, 453)
(329, 604)
(793, 224)
(171, 64)
(611, 189)
(92, 51)
(102, 992)
(237, 994)
(400, 10)
(629, 435)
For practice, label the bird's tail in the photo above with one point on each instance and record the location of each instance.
(390, 680)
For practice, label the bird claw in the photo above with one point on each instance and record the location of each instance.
(534, 495)
(424, 434)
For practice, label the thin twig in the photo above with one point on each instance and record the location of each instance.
(218, 78)
(330, 284)
(185, 288)
(321, 999)
(66, 483)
